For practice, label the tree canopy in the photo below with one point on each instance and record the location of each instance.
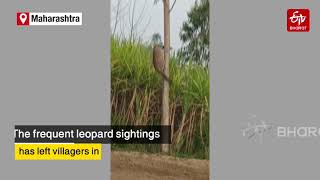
(156, 39)
(195, 35)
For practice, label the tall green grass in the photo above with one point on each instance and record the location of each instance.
(136, 98)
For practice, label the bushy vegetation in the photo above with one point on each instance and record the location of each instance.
(136, 98)
(195, 35)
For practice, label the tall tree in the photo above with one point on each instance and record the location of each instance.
(195, 35)
(165, 92)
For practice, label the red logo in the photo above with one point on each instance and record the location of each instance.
(298, 20)
(23, 18)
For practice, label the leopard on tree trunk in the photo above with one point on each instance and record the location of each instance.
(158, 61)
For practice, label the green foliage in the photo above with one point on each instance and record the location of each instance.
(136, 98)
(156, 39)
(195, 35)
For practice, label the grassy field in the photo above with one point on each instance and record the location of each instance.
(136, 100)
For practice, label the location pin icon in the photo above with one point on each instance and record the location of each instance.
(23, 17)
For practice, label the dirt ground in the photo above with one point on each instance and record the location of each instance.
(139, 166)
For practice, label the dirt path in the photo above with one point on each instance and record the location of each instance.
(138, 166)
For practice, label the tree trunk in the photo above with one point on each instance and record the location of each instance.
(165, 92)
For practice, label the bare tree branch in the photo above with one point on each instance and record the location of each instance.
(172, 5)
(141, 15)
(117, 17)
(146, 26)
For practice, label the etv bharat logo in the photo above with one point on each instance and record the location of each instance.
(298, 20)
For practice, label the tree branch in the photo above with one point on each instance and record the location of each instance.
(172, 5)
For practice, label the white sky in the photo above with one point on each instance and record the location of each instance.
(154, 12)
